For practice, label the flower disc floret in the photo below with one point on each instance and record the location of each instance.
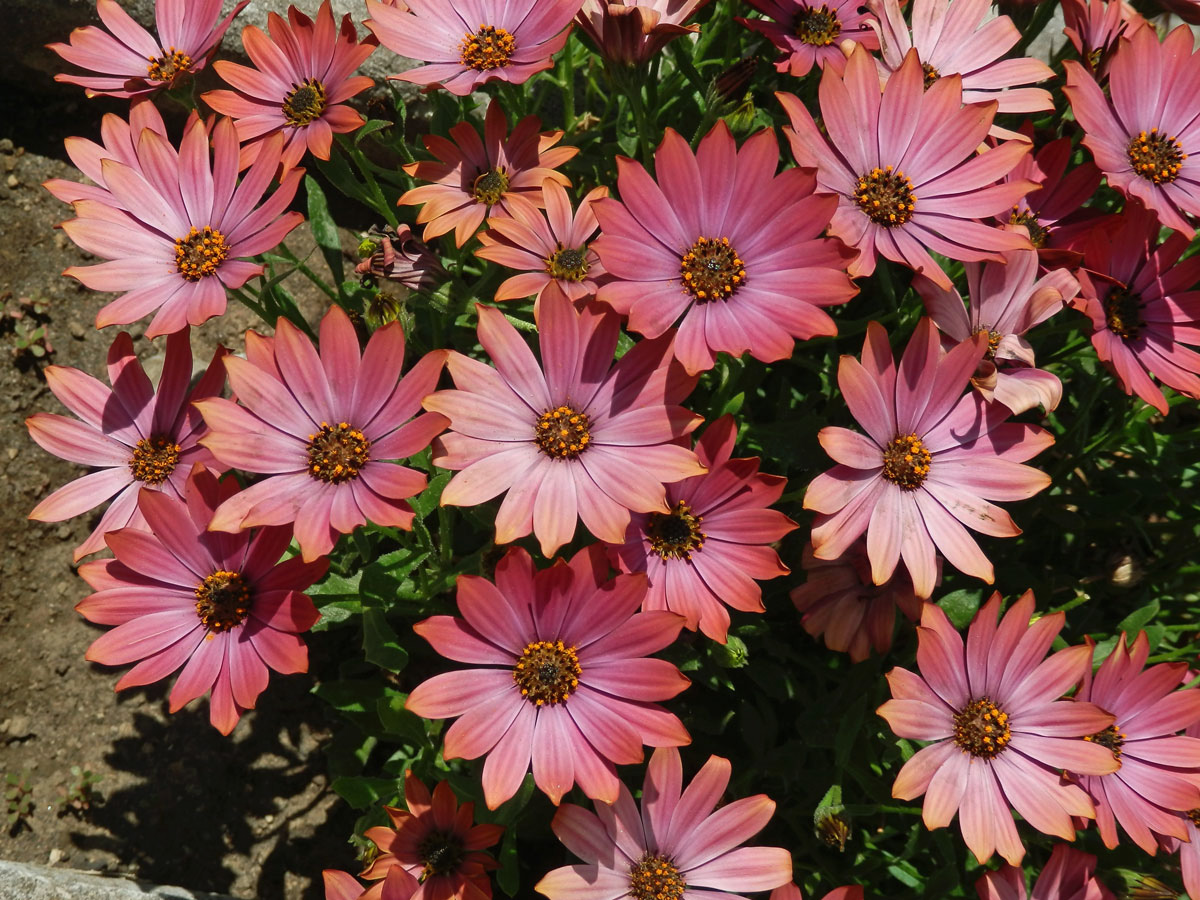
(490, 186)
(1029, 218)
(200, 253)
(675, 535)
(1123, 313)
(1111, 737)
(168, 65)
(305, 103)
(654, 877)
(819, 27)
(488, 48)
(931, 75)
(981, 729)
(712, 269)
(222, 600)
(154, 459)
(547, 672)
(441, 853)
(1156, 157)
(886, 196)
(336, 453)
(568, 263)
(563, 433)
(906, 462)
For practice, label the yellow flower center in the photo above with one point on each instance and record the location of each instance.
(488, 48)
(654, 877)
(547, 672)
(222, 601)
(711, 269)
(886, 196)
(675, 535)
(562, 433)
(168, 66)
(1029, 218)
(201, 253)
(336, 453)
(818, 27)
(154, 459)
(1156, 157)
(981, 729)
(305, 103)
(906, 462)
(568, 263)
(490, 186)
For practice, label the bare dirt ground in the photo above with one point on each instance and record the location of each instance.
(250, 815)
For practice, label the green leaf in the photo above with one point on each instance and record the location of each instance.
(324, 229)
(960, 606)
(371, 126)
(381, 644)
(1138, 619)
(427, 501)
(509, 876)
(399, 722)
(361, 792)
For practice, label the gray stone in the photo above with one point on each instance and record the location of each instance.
(19, 881)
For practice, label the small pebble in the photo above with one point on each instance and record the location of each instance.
(78, 331)
(6, 145)
(12, 181)
(56, 856)
(64, 532)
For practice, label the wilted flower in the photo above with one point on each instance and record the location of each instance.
(629, 32)
(397, 255)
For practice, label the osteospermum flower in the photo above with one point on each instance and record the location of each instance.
(546, 248)
(1068, 875)
(473, 179)
(961, 37)
(1094, 26)
(469, 44)
(1143, 308)
(217, 605)
(119, 139)
(902, 162)
(575, 438)
(1151, 784)
(131, 61)
(931, 461)
(138, 437)
(630, 32)
(566, 682)
(700, 244)
(302, 76)
(175, 229)
(323, 426)
(841, 603)
(712, 548)
(1149, 149)
(811, 34)
(1002, 734)
(436, 841)
(1006, 300)
(1189, 850)
(676, 846)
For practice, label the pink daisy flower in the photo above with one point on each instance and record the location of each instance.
(566, 682)
(1068, 875)
(841, 603)
(678, 845)
(398, 885)
(810, 34)
(699, 244)
(473, 179)
(435, 841)
(630, 32)
(714, 546)
(119, 142)
(136, 435)
(1150, 786)
(902, 162)
(323, 427)
(1189, 849)
(1002, 734)
(469, 44)
(931, 461)
(1148, 145)
(131, 61)
(574, 438)
(1094, 26)
(218, 605)
(550, 247)
(1142, 306)
(175, 228)
(961, 37)
(301, 78)
(1006, 300)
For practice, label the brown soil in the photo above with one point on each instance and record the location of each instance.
(250, 815)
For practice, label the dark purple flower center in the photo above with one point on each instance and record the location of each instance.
(490, 186)
(200, 253)
(222, 600)
(441, 853)
(1156, 157)
(931, 75)
(711, 269)
(305, 103)
(568, 263)
(562, 433)
(886, 196)
(817, 27)
(906, 462)
(547, 672)
(154, 459)
(981, 729)
(1111, 737)
(1029, 218)
(1194, 815)
(168, 65)
(488, 48)
(675, 535)
(1123, 313)
(336, 453)
(654, 877)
